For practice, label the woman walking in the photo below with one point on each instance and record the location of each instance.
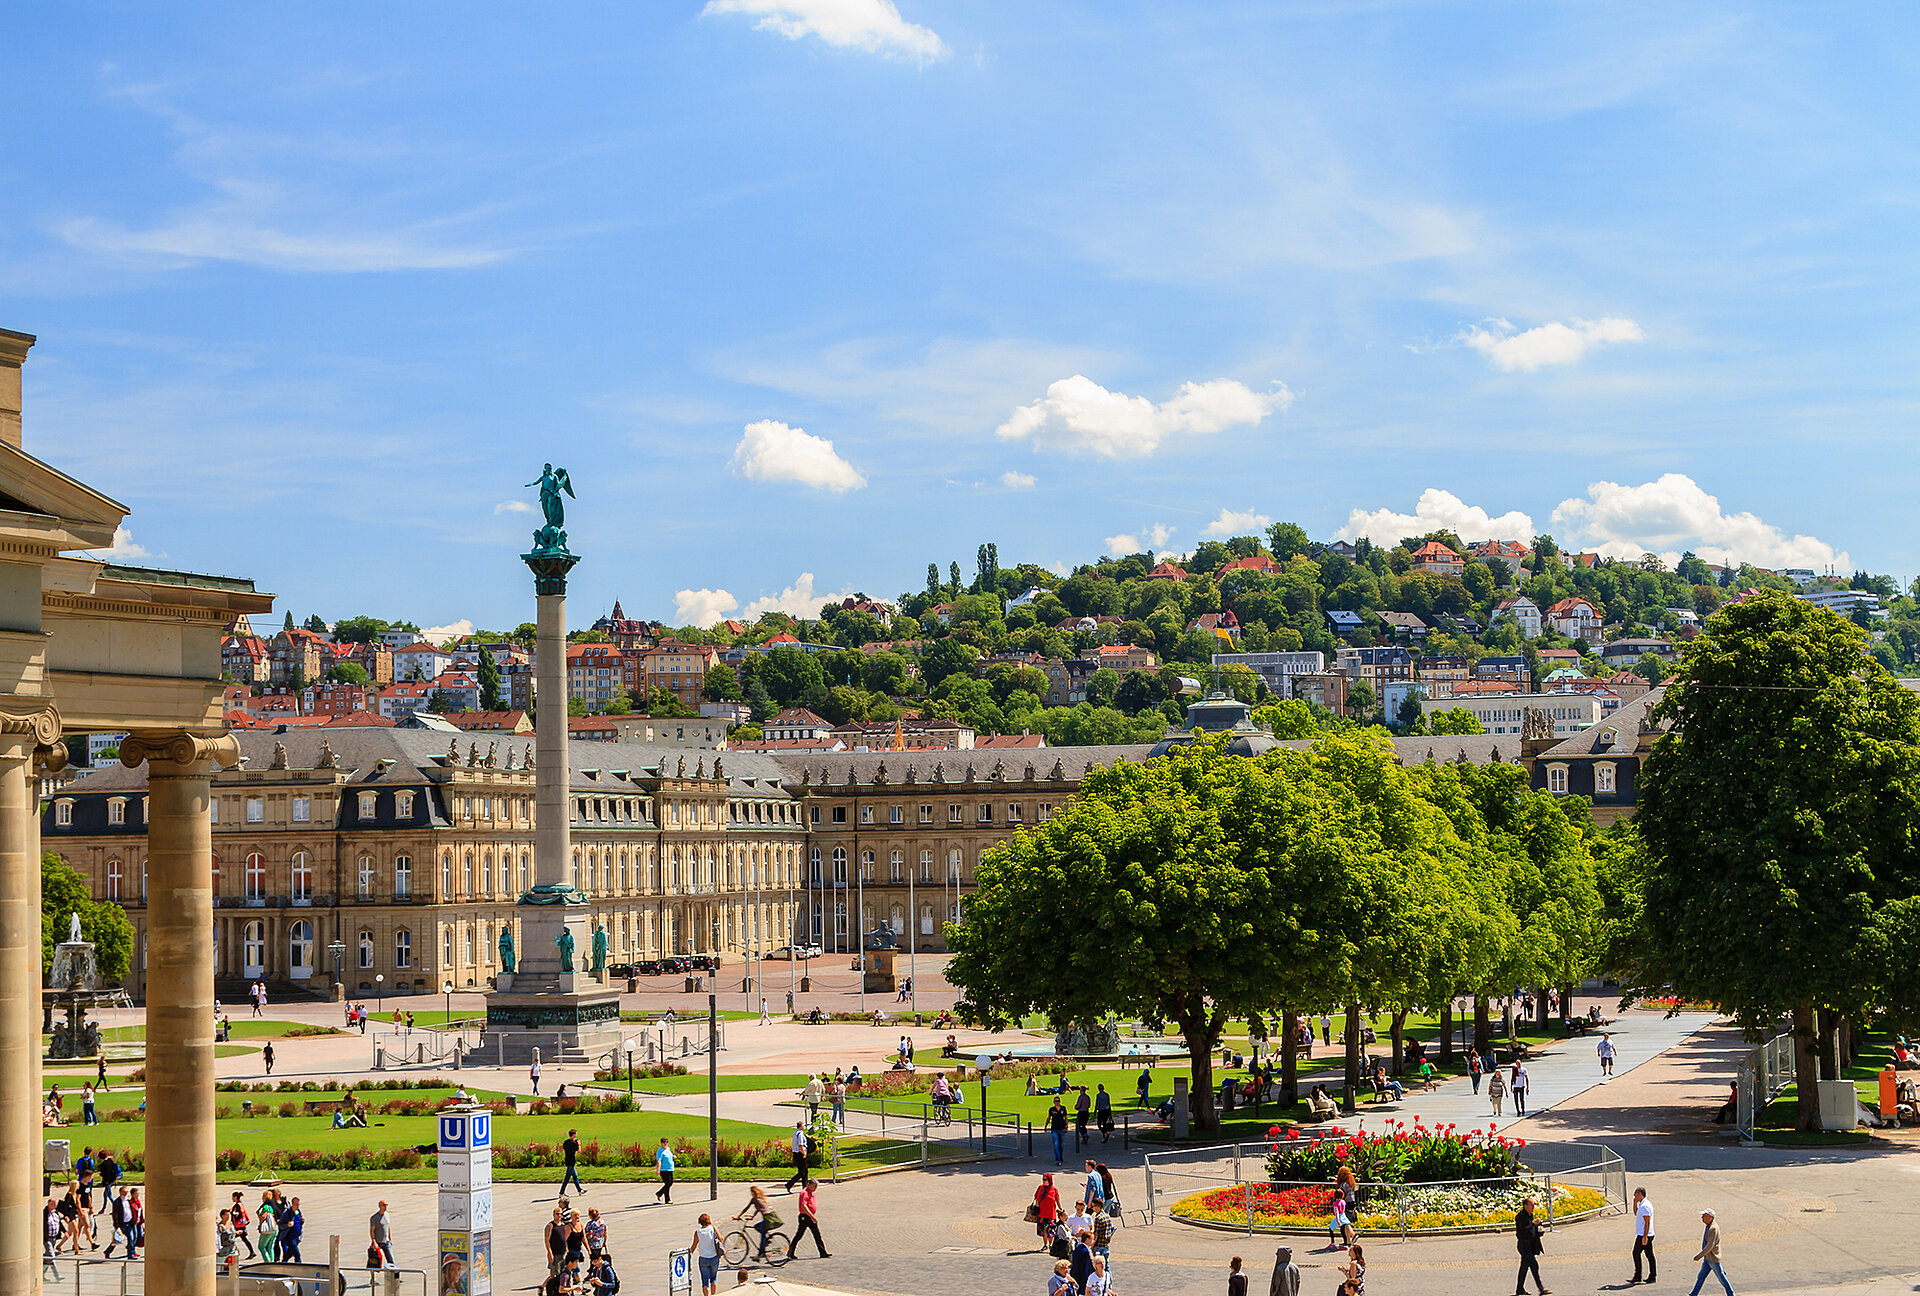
(1496, 1089)
(1356, 1272)
(706, 1249)
(1046, 1209)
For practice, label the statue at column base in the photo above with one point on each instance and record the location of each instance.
(552, 894)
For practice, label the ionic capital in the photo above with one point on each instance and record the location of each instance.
(179, 748)
(30, 717)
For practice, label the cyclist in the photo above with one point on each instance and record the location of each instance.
(764, 1219)
(942, 1099)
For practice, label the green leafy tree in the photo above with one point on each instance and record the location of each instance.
(63, 891)
(575, 706)
(316, 623)
(1778, 819)
(288, 623)
(945, 657)
(721, 684)
(760, 703)
(348, 673)
(1291, 719)
(1454, 720)
(621, 703)
(439, 702)
(792, 675)
(667, 705)
(1103, 686)
(1650, 668)
(1287, 540)
(359, 629)
(1361, 701)
(490, 699)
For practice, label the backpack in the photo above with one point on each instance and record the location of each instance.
(611, 1283)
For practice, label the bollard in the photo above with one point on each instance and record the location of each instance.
(1029, 1138)
(336, 1281)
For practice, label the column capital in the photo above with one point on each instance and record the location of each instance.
(179, 747)
(37, 718)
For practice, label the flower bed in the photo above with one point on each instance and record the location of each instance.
(1427, 1206)
(653, 1071)
(1405, 1154)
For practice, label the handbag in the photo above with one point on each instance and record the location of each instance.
(774, 1221)
(1033, 1212)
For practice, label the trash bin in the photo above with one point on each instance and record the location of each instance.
(806, 984)
(690, 985)
(633, 985)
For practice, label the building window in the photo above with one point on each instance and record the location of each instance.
(469, 945)
(402, 877)
(256, 876)
(894, 815)
(953, 814)
(926, 814)
(114, 873)
(116, 810)
(926, 920)
(366, 877)
(63, 814)
(302, 811)
(486, 872)
(895, 865)
(986, 813)
(256, 810)
(840, 865)
(213, 809)
(253, 949)
(866, 814)
(446, 946)
(1603, 778)
(403, 948)
(839, 814)
(366, 949)
(1013, 812)
(403, 805)
(866, 866)
(368, 803)
(1556, 778)
(953, 865)
(300, 874)
(300, 949)
(926, 866)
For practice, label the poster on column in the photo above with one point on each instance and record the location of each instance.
(454, 1262)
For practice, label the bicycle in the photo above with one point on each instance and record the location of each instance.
(739, 1244)
(942, 1115)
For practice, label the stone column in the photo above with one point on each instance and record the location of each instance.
(20, 1135)
(552, 825)
(181, 1203)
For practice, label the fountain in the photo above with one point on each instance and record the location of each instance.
(71, 985)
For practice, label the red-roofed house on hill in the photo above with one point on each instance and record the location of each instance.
(1575, 618)
(398, 701)
(1437, 558)
(1166, 571)
(1125, 657)
(1258, 563)
(245, 658)
(592, 728)
(623, 630)
(419, 660)
(327, 699)
(796, 724)
(299, 653)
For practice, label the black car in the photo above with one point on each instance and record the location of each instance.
(705, 963)
(647, 967)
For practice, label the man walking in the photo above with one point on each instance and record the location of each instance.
(1526, 1236)
(1057, 1127)
(88, 1116)
(380, 1235)
(1326, 1029)
(810, 1220)
(663, 1162)
(1709, 1256)
(572, 1150)
(1141, 1086)
(533, 1073)
(1082, 1112)
(292, 1225)
(1642, 1236)
(266, 1055)
(799, 1146)
(1103, 1113)
(122, 1224)
(811, 1096)
(1518, 1086)
(1606, 1050)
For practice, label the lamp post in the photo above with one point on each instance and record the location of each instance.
(447, 989)
(379, 992)
(627, 1044)
(339, 951)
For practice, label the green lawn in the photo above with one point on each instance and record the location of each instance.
(247, 1030)
(1775, 1124)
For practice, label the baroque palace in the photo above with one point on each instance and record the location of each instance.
(409, 846)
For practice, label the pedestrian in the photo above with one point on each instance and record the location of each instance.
(554, 1236)
(1496, 1089)
(242, 1225)
(839, 1095)
(123, 1225)
(380, 1236)
(1057, 1128)
(269, 1231)
(1326, 1029)
(1061, 1284)
(362, 1015)
(1643, 1236)
(1356, 1272)
(810, 1220)
(1517, 1082)
(88, 1116)
(605, 1281)
(1098, 1282)
(52, 1229)
(765, 1017)
(571, 1150)
(1709, 1256)
(223, 1241)
(100, 1074)
(789, 1003)
(811, 1096)
(1103, 1233)
(1340, 1225)
(1526, 1236)
(706, 1249)
(1607, 1052)
(1046, 1208)
(292, 1225)
(663, 1162)
(1237, 1281)
(533, 1073)
(1141, 1086)
(1082, 1112)
(596, 1232)
(109, 1177)
(1080, 1260)
(137, 1213)
(1110, 1198)
(266, 1055)
(799, 1148)
(1473, 1070)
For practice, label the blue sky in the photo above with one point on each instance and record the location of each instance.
(317, 289)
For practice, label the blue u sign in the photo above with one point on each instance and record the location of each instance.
(466, 1131)
(482, 1126)
(453, 1131)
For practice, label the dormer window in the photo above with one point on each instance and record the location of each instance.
(63, 814)
(403, 805)
(368, 801)
(1603, 777)
(117, 810)
(1557, 779)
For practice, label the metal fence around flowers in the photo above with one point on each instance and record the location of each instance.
(1550, 1166)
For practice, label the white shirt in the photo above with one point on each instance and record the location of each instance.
(799, 1141)
(1076, 1224)
(1519, 1080)
(1643, 1219)
(709, 1239)
(1097, 1284)
(1605, 1048)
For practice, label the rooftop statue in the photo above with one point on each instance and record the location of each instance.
(552, 538)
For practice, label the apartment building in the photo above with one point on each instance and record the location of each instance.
(1506, 713)
(1277, 669)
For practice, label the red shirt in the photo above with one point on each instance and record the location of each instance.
(807, 1202)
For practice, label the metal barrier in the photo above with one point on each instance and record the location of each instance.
(90, 1276)
(1765, 1070)
(659, 1041)
(923, 1143)
(1179, 1174)
(405, 1046)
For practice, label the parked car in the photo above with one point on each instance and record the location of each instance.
(705, 963)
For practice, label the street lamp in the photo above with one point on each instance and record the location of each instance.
(379, 992)
(627, 1044)
(339, 952)
(447, 989)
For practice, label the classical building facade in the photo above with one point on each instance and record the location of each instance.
(410, 847)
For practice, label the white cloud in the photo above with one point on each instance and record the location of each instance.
(225, 231)
(772, 451)
(1230, 523)
(1153, 537)
(1078, 415)
(796, 600)
(1549, 344)
(1436, 510)
(1017, 480)
(1059, 568)
(123, 549)
(1672, 515)
(513, 506)
(445, 633)
(702, 607)
(873, 26)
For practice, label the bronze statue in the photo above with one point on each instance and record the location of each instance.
(565, 941)
(599, 949)
(552, 538)
(506, 949)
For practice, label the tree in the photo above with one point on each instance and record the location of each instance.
(621, 703)
(489, 681)
(721, 684)
(316, 623)
(1291, 719)
(791, 674)
(1103, 686)
(359, 629)
(575, 706)
(1360, 700)
(953, 580)
(1409, 721)
(1777, 822)
(64, 891)
(667, 705)
(760, 703)
(288, 623)
(1454, 720)
(1287, 540)
(349, 673)
(933, 582)
(944, 657)
(1650, 668)
(439, 702)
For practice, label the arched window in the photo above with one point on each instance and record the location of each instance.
(253, 949)
(300, 950)
(446, 945)
(926, 866)
(366, 877)
(403, 948)
(840, 865)
(467, 875)
(256, 876)
(469, 945)
(897, 919)
(896, 866)
(115, 873)
(926, 920)
(402, 877)
(866, 866)
(300, 876)
(953, 864)
(814, 860)
(523, 875)
(366, 949)
(446, 874)
(486, 873)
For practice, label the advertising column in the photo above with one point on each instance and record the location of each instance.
(466, 1202)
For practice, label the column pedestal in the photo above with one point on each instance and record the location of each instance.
(180, 1200)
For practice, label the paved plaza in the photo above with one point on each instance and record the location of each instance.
(1793, 1220)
